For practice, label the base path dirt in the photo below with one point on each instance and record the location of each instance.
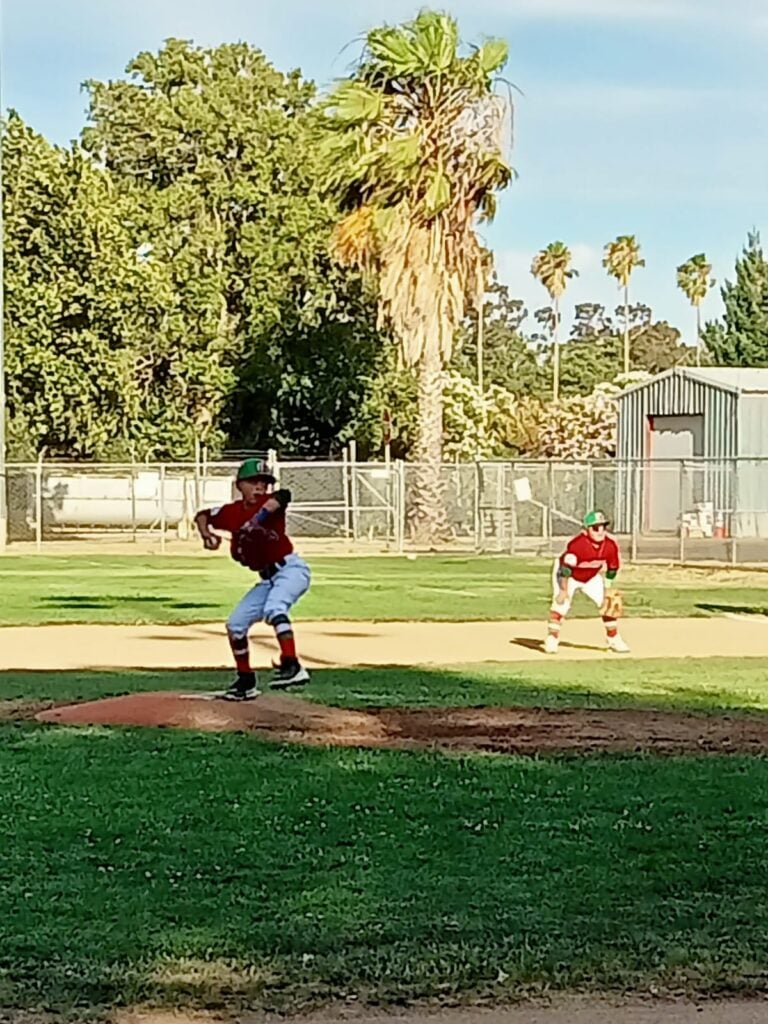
(565, 1011)
(339, 644)
(501, 730)
(577, 1011)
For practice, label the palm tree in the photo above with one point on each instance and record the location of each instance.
(620, 258)
(552, 267)
(415, 151)
(693, 278)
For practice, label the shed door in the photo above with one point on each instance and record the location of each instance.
(671, 437)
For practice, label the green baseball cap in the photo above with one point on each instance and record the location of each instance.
(253, 469)
(595, 519)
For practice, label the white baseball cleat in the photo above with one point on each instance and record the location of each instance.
(551, 644)
(617, 645)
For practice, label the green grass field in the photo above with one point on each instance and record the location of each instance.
(213, 871)
(219, 871)
(131, 589)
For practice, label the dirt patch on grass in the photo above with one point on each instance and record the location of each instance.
(501, 730)
(23, 710)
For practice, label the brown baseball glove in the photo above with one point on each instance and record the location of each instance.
(250, 546)
(613, 605)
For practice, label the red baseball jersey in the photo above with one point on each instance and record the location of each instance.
(236, 514)
(585, 559)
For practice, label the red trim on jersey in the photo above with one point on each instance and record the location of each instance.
(590, 557)
(236, 514)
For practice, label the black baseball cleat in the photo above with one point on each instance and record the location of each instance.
(243, 688)
(289, 673)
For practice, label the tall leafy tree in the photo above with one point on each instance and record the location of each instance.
(694, 279)
(83, 308)
(620, 258)
(416, 156)
(593, 353)
(552, 267)
(742, 338)
(265, 338)
(509, 354)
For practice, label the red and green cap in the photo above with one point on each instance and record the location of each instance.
(595, 519)
(255, 469)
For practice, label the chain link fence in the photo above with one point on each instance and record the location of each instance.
(682, 511)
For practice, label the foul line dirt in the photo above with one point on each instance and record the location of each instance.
(349, 644)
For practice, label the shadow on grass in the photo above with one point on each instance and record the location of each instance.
(706, 685)
(216, 870)
(735, 609)
(100, 601)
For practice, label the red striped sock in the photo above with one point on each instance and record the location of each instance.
(555, 622)
(611, 628)
(241, 652)
(287, 643)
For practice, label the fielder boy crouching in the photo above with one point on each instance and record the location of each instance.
(580, 568)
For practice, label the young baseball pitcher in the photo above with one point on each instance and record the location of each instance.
(256, 524)
(580, 568)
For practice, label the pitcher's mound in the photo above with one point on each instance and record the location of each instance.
(505, 730)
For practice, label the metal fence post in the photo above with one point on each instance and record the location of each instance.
(548, 517)
(346, 489)
(198, 501)
(133, 501)
(477, 512)
(162, 508)
(635, 500)
(400, 506)
(39, 503)
(735, 486)
(509, 498)
(353, 489)
(680, 507)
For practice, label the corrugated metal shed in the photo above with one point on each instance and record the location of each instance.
(728, 410)
(742, 380)
(679, 392)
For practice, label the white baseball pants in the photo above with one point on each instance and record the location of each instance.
(270, 598)
(594, 590)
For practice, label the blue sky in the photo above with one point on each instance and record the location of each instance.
(643, 117)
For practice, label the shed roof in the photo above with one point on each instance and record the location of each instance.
(736, 379)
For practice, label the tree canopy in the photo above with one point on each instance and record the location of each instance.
(227, 258)
(741, 339)
(171, 276)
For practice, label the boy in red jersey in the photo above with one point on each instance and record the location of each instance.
(579, 568)
(256, 524)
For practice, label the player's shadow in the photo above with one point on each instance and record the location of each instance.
(538, 645)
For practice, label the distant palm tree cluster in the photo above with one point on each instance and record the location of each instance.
(552, 267)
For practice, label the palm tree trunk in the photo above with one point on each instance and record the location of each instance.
(480, 342)
(698, 335)
(626, 328)
(427, 515)
(556, 354)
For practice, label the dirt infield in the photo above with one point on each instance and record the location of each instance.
(344, 644)
(499, 730)
(564, 1011)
